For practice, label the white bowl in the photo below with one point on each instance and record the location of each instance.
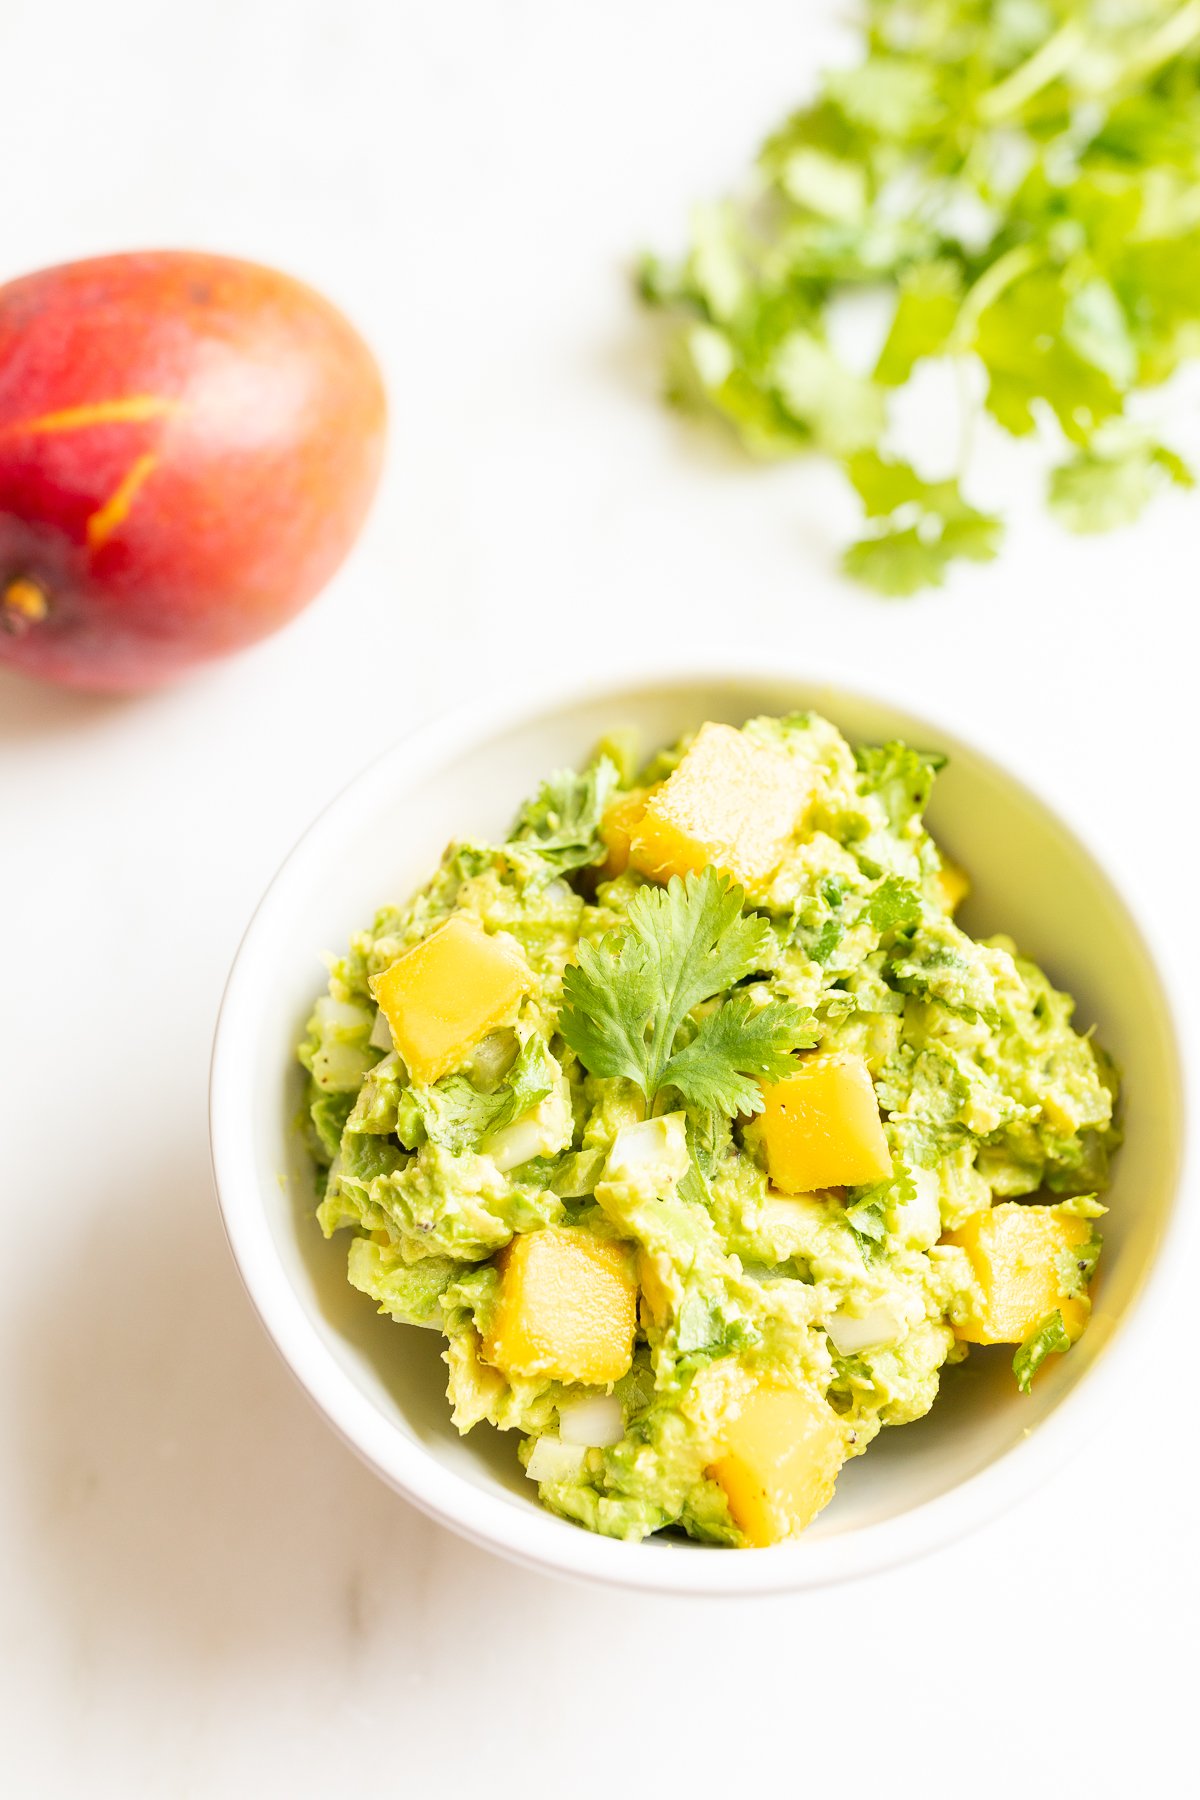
(381, 1385)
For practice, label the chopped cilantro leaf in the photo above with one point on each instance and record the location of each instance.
(866, 1220)
(1094, 491)
(893, 903)
(1047, 1339)
(1077, 1265)
(457, 1114)
(900, 778)
(709, 1326)
(561, 824)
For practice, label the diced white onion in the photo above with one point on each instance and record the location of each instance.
(919, 1220)
(493, 1057)
(543, 1131)
(340, 1015)
(880, 1324)
(787, 1221)
(654, 1144)
(595, 1421)
(338, 1066)
(381, 1033)
(342, 1058)
(552, 1460)
(517, 1142)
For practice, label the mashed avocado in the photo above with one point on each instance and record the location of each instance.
(702, 1132)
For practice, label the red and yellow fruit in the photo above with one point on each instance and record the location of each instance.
(188, 447)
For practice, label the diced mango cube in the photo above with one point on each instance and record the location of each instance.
(567, 1308)
(781, 1453)
(732, 802)
(954, 884)
(821, 1127)
(1014, 1251)
(617, 827)
(446, 993)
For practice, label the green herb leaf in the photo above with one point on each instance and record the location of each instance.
(709, 1326)
(900, 778)
(457, 1115)
(843, 412)
(926, 525)
(1095, 327)
(867, 1215)
(1095, 492)
(896, 563)
(896, 97)
(1049, 1338)
(561, 824)
(866, 1220)
(628, 996)
(926, 314)
(736, 1048)
(895, 902)
(1077, 1265)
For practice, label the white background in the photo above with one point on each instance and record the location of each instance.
(201, 1591)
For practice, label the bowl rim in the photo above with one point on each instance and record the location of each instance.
(529, 1536)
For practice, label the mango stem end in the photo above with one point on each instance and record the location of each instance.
(23, 603)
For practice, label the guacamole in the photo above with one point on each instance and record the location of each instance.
(701, 1131)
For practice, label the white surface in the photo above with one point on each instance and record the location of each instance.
(985, 1444)
(201, 1592)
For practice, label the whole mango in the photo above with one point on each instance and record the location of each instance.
(188, 447)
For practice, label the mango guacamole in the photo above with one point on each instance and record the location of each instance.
(702, 1133)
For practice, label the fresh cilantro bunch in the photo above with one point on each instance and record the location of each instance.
(628, 998)
(1021, 176)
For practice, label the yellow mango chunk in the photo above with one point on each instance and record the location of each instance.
(781, 1453)
(617, 827)
(954, 884)
(821, 1127)
(567, 1308)
(1014, 1251)
(446, 993)
(732, 802)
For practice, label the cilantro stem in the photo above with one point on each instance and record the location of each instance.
(1054, 57)
(987, 290)
(1173, 35)
(1030, 77)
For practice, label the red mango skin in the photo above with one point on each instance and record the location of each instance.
(188, 447)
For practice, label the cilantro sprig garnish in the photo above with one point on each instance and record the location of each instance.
(628, 997)
(1020, 181)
